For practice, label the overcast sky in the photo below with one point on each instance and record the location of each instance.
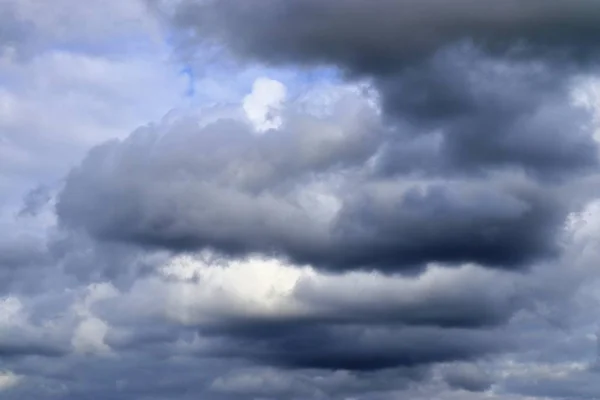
(299, 199)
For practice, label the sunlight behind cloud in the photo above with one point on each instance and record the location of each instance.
(263, 105)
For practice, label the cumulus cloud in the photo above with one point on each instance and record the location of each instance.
(307, 191)
(264, 103)
(463, 166)
(420, 221)
(303, 318)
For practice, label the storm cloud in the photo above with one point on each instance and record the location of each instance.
(350, 199)
(464, 165)
(300, 194)
(381, 37)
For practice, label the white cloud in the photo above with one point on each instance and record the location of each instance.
(12, 313)
(9, 380)
(201, 289)
(89, 335)
(207, 290)
(263, 105)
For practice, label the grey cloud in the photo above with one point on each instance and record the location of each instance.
(76, 377)
(17, 342)
(86, 260)
(219, 187)
(383, 355)
(269, 382)
(464, 300)
(321, 345)
(21, 348)
(332, 333)
(472, 108)
(14, 31)
(22, 256)
(469, 377)
(379, 37)
(471, 114)
(457, 118)
(35, 200)
(447, 222)
(444, 318)
(189, 378)
(22, 251)
(470, 163)
(361, 348)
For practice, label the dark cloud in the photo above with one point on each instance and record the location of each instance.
(562, 381)
(320, 345)
(189, 378)
(456, 118)
(221, 187)
(444, 222)
(369, 37)
(86, 260)
(20, 348)
(18, 341)
(464, 301)
(468, 377)
(475, 162)
(351, 346)
(487, 108)
(22, 256)
(469, 114)
(361, 348)
(395, 325)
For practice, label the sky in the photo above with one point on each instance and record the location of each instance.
(299, 199)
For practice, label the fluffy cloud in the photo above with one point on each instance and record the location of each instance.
(306, 191)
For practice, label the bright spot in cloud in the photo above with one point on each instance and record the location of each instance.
(8, 380)
(11, 312)
(89, 335)
(264, 103)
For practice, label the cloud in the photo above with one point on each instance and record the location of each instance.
(473, 107)
(407, 210)
(468, 377)
(21, 251)
(263, 104)
(380, 37)
(307, 192)
(303, 318)
(8, 380)
(35, 200)
(460, 162)
(306, 319)
(21, 337)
